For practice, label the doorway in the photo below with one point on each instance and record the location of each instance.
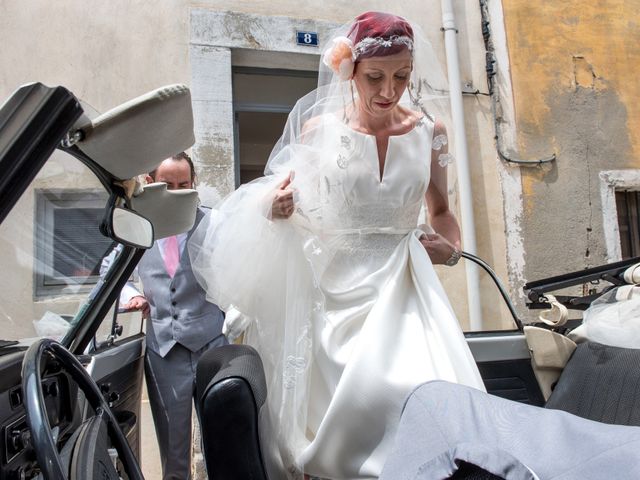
(262, 100)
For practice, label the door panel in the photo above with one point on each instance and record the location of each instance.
(505, 365)
(118, 371)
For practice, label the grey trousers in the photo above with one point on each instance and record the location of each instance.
(170, 385)
(444, 423)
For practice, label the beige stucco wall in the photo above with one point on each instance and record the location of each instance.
(111, 51)
(108, 52)
(105, 52)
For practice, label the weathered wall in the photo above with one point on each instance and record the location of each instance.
(111, 51)
(105, 52)
(574, 66)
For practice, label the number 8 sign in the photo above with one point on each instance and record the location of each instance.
(309, 39)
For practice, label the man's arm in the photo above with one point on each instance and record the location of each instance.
(130, 296)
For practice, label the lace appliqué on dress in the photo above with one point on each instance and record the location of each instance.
(343, 157)
(292, 370)
(439, 141)
(297, 362)
(372, 218)
(445, 159)
(364, 248)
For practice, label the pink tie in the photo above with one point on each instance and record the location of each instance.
(171, 255)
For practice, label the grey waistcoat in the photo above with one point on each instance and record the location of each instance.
(180, 312)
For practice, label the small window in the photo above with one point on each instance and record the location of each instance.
(68, 244)
(628, 207)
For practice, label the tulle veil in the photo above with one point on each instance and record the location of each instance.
(270, 270)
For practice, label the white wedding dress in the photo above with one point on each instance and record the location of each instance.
(364, 318)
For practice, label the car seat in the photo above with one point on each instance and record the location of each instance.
(231, 406)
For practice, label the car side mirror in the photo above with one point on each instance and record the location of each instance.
(131, 228)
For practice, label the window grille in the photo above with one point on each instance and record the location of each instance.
(68, 244)
(628, 207)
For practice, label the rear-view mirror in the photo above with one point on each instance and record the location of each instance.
(130, 228)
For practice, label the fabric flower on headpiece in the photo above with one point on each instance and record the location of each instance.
(339, 57)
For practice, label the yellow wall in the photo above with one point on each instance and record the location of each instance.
(554, 45)
(574, 68)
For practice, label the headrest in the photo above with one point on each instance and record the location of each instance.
(632, 274)
(133, 138)
(170, 211)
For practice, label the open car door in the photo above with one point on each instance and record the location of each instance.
(70, 241)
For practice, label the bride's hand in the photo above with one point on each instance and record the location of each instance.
(283, 204)
(438, 247)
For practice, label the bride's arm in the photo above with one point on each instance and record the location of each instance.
(284, 199)
(441, 245)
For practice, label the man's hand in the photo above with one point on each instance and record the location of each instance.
(138, 303)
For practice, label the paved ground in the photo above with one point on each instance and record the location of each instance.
(150, 461)
(149, 445)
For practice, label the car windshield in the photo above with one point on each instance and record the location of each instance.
(51, 251)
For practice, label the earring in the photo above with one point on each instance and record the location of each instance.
(353, 102)
(345, 107)
(353, 98)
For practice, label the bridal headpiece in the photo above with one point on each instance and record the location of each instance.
(339, 57)
(372, 34)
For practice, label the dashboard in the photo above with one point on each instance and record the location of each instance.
(60, 398)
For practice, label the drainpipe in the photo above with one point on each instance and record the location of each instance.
(495, 100)
(462, 162)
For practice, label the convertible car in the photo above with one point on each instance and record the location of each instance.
(71, 363)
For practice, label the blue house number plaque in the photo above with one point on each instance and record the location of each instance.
(309, 39)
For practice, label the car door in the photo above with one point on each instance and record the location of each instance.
(502, 355)
(51, 250)
(117, 364)
(505, 365)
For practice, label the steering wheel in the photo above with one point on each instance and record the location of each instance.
(103, 423)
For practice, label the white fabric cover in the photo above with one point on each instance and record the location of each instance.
(444, 422)
(133, 138)
(612, 319)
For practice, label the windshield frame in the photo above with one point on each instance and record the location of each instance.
(34, 122)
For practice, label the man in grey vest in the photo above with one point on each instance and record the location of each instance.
(181, 325)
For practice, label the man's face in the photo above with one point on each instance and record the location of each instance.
(175, 173)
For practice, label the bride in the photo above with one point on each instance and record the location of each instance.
(325, 257)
